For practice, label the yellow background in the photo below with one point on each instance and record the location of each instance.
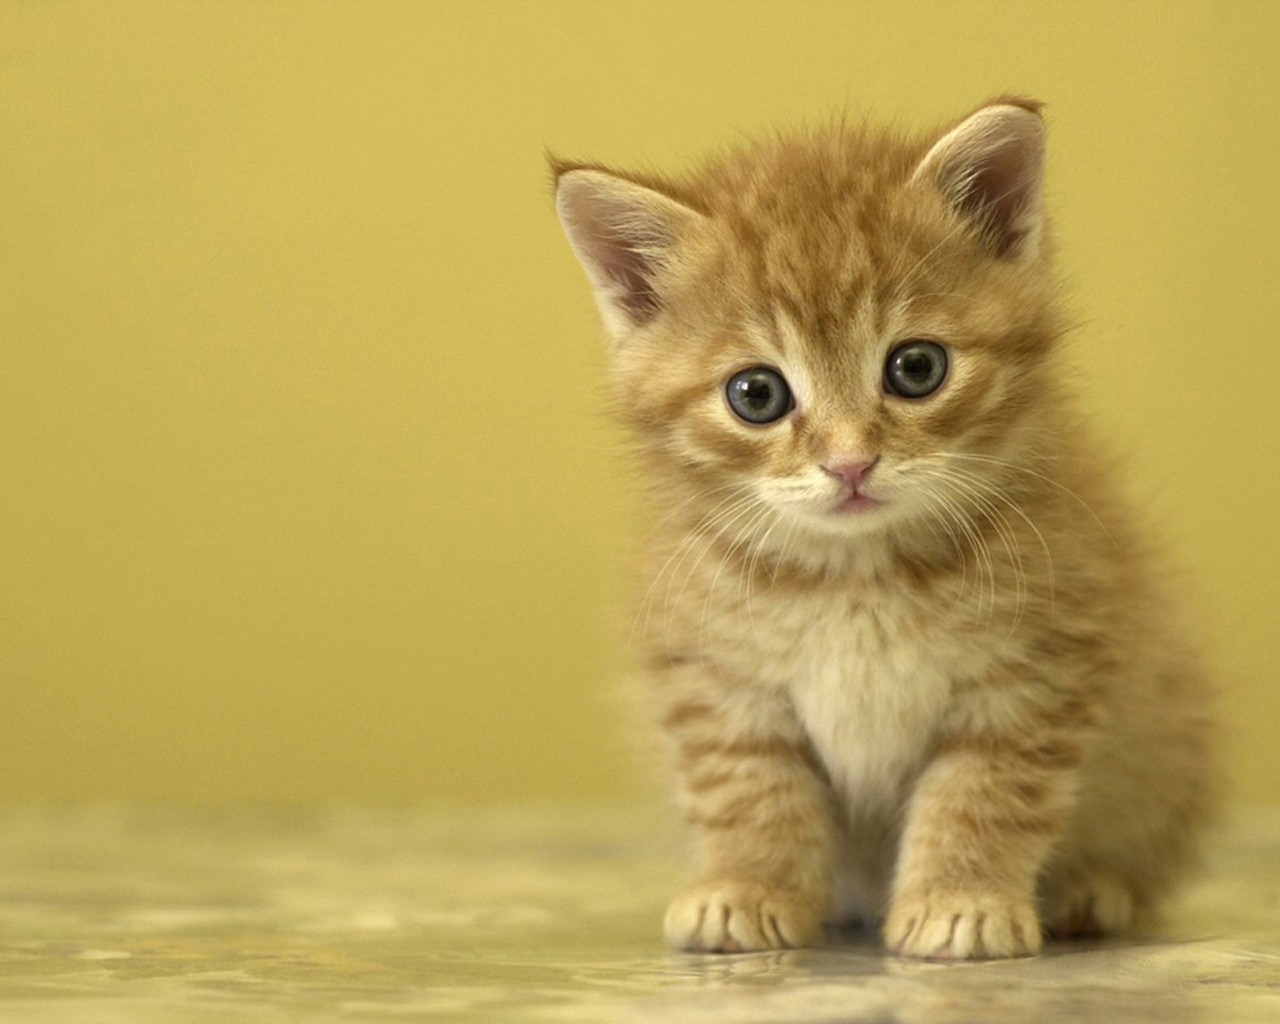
(304, 488)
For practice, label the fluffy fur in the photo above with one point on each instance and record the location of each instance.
(963, 708)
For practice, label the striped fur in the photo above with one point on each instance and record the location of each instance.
(970, 713)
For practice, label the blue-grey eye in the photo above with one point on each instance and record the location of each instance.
(759, 395)
(915, 368)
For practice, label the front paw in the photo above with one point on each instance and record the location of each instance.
(741, 916)
(962, 926)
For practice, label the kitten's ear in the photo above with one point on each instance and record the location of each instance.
(625, 235)
(991, 168)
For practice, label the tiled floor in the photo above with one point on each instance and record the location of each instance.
(148, 916)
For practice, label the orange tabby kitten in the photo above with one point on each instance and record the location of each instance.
(907, 644)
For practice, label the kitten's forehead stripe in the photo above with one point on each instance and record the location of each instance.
(795, 363)
(823, 220)
(787, 333)
(768, 345)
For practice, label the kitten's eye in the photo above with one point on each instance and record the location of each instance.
(759, 395)
(915, 369)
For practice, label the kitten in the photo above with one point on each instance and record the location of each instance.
(909, 648)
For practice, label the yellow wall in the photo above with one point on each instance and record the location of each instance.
(303, 488)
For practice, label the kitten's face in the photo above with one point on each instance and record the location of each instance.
(848, 423)
(831, 334)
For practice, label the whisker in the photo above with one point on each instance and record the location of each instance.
(944, 519)
(752, 565)
(735, 513)
(981, 552)
(999, 493)
(742, 537)
(681, 552)
(784, 550)
(699, 495)
(1008, 538)
(1046, 479)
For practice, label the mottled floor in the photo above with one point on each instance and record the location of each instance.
(140, 916)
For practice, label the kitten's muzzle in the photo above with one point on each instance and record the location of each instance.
(853, 474)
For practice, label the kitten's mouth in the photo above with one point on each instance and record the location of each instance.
(856, 502)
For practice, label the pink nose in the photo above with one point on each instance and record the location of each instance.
(853, 472)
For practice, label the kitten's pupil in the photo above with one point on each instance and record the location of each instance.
(915, 369)
(759, 395)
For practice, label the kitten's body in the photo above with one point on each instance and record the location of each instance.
(936, 681)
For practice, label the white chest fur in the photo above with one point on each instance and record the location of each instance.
(870, 691)
(868, 660)
(870, 680)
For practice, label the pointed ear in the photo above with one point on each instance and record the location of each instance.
(991, 168)
(624, 235)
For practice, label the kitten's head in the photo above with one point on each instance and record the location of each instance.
(845, 326)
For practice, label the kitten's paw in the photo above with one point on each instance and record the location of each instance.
(963, 926)
(1086, 906)
(740, 917)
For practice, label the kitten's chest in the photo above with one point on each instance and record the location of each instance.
(871, 679)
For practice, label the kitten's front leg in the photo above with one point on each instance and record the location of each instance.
(981, 823)
(754, 791)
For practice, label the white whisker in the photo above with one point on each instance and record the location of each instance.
(741, 538)
(705, 523)
(1008, 538)
(973, 535)
(945, 518)
(752, 565)
(997, 492)
(1046, 479)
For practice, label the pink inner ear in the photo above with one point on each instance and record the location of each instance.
(990, 167)
(999, 193)
(622, 233)
(630, 269)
